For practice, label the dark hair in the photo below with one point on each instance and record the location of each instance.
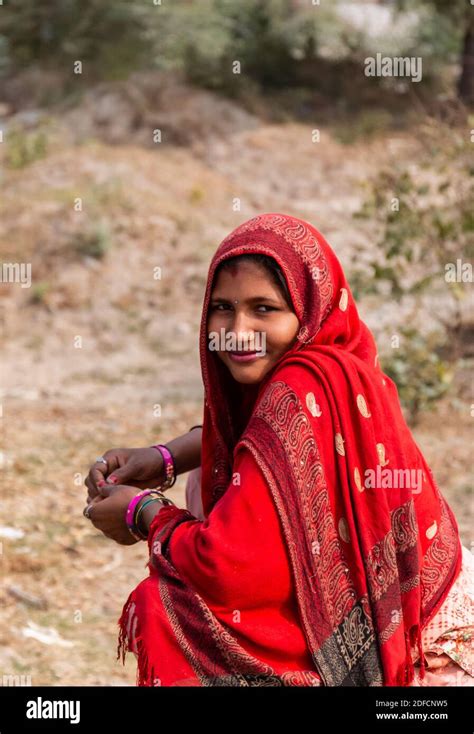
(268, 263)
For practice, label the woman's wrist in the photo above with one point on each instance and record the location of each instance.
(168, 464)
(186, 452)
(141, 510)
(147, 514)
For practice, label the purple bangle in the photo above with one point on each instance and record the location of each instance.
(169, 465)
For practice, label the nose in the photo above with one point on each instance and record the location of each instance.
(242, 326)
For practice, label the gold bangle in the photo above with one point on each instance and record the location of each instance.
(159, 495)
(138, 516)
(153, 495)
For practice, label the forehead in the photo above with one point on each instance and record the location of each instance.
(243, 272)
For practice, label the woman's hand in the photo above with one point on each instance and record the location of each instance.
(108, 514)
(141, 468)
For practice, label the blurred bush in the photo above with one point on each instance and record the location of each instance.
(278, 43)
(25, 147)
(110, 38)
(93, 241)
(421, 375)
(424, 216)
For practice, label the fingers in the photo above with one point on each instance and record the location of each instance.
(89, 505)
(94, 514)
(92, 491)
(103, 516)
(122, 474)
(99, 471)
(109, 489)
(92, 481)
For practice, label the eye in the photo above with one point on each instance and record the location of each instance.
(228, 306)
(268, 308)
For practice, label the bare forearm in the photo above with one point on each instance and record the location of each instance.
(186, 450)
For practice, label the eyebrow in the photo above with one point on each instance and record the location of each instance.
(254, 299)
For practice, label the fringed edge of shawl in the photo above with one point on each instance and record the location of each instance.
(161, 527)
(406, 674)
(144, 676)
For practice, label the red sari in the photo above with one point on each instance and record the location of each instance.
(323, 564)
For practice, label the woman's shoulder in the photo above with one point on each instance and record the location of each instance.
(295, 380)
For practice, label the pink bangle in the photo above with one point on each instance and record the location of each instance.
(169, 465)
(130, 513)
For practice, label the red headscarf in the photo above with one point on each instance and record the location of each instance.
(371, 565)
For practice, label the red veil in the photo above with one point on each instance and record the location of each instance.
(371, 561)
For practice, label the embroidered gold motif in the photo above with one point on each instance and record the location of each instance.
(344, 299)
(303, 334)
(362, 405)
(312, 405)
(439, 558)
(339, 444)
(381, 454)
(432, 530)
(357, 480)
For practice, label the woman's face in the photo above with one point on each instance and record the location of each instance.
(249, 314)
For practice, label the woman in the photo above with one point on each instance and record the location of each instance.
(325, 549)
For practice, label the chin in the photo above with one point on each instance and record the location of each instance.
(247, 380)
(248, 376)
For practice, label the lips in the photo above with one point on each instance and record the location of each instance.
(244, 356)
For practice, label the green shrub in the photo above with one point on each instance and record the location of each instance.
(39, 292)
(421, 375)
(424, 216)
(93, 241)
(110, 37)
(23, 147)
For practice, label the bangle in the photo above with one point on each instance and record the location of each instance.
(169, 465)
(153, 496)
(199, 425)
(130, 513)
(139, 511)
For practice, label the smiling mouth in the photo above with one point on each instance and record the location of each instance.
(244, 356)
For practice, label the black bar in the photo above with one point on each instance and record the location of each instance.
(132, 709)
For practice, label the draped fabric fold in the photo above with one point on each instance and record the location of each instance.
(373, 545)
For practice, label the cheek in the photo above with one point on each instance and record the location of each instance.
(214, 322)
(283, 332)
